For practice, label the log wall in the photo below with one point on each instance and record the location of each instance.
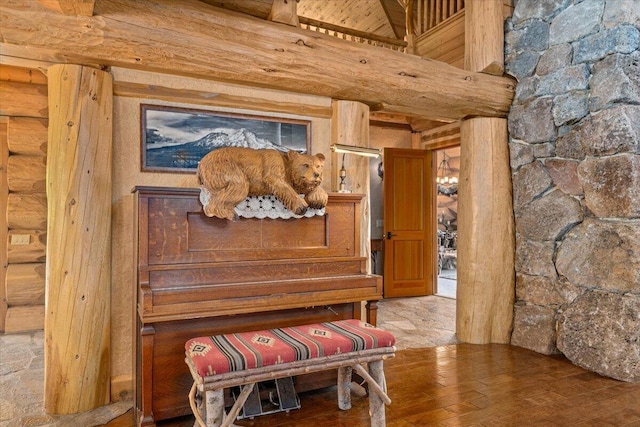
(23, 201)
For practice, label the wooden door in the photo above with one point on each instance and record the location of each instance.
(409, 223)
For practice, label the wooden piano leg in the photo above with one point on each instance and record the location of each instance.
(144, 362)
(372, 312)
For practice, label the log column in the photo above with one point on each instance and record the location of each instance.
(486, 244)
(78, 270)
(350, 126)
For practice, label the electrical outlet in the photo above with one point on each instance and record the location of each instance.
(20, 239)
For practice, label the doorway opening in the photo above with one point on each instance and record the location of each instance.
(416, 321)
(446, 187)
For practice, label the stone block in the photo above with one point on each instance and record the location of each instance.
(567, 79)
(532, 121)
(600, 331)
(534, 328)
(612, 131)
(570, 107)
(576, 21)
(528, 183)
(522, 64)
(567, 290)
(616, 79)
(543, 150)
(534, 36)
(621, 12)
(612, 185)
(525, 89)
(623, 39)
(538, 290)
(519, 154)
(565, 175)
(554, 58)
(535, 258)
(602, 254)
(568, 146)
(549, 217)
(545, 10)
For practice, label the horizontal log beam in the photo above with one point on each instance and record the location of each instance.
(24, 318)
(206, 42)
(70, 7)
(25, 284)
(26, 246)
(27, 174)
(136, 90)
(26, 135)
(27, 211)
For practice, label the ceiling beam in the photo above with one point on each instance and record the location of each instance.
(387, 14)
(70, 7)
(203, 41)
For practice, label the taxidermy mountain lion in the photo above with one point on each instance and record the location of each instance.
(231, 174)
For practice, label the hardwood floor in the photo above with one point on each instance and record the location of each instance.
(469, 385)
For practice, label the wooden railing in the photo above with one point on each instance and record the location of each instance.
(352, 35)
(422, 15)
(432, 12)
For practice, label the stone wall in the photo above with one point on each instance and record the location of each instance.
(575, 157)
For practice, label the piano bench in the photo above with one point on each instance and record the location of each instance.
(246, 358)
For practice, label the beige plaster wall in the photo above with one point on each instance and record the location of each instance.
(127, 174)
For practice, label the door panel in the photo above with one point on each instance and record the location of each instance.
(408, 264)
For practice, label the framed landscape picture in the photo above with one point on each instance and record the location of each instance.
(175, 139)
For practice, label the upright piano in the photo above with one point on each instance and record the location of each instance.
(205, 276)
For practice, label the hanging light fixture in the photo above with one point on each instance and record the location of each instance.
(444, 174)
(351, 149)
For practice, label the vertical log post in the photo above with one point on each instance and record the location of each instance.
(350, 126)
(4, 226)
(486, 271)
(78, 272)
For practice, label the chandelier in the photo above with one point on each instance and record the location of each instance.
(444, 174)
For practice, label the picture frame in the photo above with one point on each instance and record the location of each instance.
(174, 139)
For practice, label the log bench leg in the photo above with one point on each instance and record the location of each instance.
(376, 400)
(344, 387)
(214, 407)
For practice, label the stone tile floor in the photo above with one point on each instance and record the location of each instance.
(416, 322)
(22, 388)
(419, 322)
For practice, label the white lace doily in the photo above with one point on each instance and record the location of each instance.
(263, 207)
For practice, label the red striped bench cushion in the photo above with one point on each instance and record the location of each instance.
(246, 350)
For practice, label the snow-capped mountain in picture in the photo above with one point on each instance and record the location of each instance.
(235, 138)
(188, 154)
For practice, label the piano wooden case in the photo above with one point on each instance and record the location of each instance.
(208, 276)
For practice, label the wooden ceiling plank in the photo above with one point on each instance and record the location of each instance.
(444, 130)
(207, 42)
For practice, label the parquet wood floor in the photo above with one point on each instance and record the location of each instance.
(469, 385)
